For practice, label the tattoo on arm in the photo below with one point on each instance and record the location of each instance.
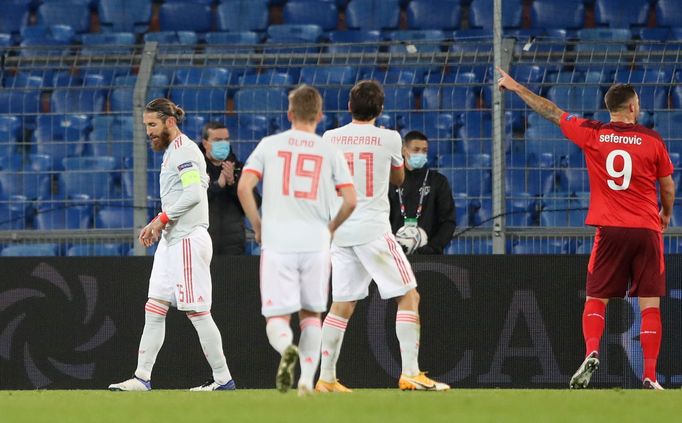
(541, 105)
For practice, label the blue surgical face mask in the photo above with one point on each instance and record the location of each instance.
(417, 160)
(220, 149)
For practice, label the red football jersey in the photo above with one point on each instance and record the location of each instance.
(624, 161)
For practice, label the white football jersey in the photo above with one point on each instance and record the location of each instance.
(182, 156)
(300, 173)
(370, 152)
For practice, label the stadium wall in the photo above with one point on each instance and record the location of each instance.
(488, 321)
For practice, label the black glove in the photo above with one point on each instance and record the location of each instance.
(426, 249)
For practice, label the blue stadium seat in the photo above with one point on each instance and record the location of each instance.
(74, 214)
(438, 127)
(452, 98)
(533, 181)
(182, 16)
(562, 212)
(91, 176)
(224, 39)
(243, 15)
(334, 99)
(577, 99)
(65, 13)
(261, 100)
(121, 98)
(398, 100)
(668, 13)
(572, 181)
(85, 100)
(419, 40)
(669, 126)
(285, 33)
(15, 211)
(621, 14)
(201, 76)
(172, 37)
(30, 250)
(373, 14)
(394, 76)
(14, 16)
(192, 126)
(354, 41)
(205, 101)
(481, 14)
(473, 182)
(124, 15)
(557, 14)
(19, 102)
(651, 86)
(520, 209)
(25, 80)
(61, 136)
(93, 43)
(44, 40)
(114, 218)
(113, 137)
(96, 250)
(299, 12)
(30, 178)
(433, 14)
(269, 77)
(602, 40)
(475, 132)
(654, 34)
(252, 127)
(10, 127)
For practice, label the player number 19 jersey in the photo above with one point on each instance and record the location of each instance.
(300, 174)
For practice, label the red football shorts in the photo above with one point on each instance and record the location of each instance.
(626, 255)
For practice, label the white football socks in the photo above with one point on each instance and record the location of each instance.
(333, 329)
(309, 350)
(152, 338)
(279, 334)
(212, 344)
(407, 330)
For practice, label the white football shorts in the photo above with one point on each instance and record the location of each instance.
(290, 282)
(181, 273)
(381, 260)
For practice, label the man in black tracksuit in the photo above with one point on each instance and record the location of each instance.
(225, 213)
(426, 187)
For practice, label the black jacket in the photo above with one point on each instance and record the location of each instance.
(438, 209)
(225, 213)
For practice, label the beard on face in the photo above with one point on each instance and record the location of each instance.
(161, 142)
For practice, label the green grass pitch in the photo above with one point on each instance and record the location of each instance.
(365, 405)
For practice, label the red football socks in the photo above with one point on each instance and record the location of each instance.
(650, 334)
(593, 324)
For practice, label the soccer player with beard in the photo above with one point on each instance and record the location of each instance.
(181, 274)
(624, 162)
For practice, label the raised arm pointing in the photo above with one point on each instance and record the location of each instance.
(541, 105)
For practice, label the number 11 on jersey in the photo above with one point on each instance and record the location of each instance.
(368, 158)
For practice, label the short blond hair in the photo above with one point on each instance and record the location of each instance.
(305, 102)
